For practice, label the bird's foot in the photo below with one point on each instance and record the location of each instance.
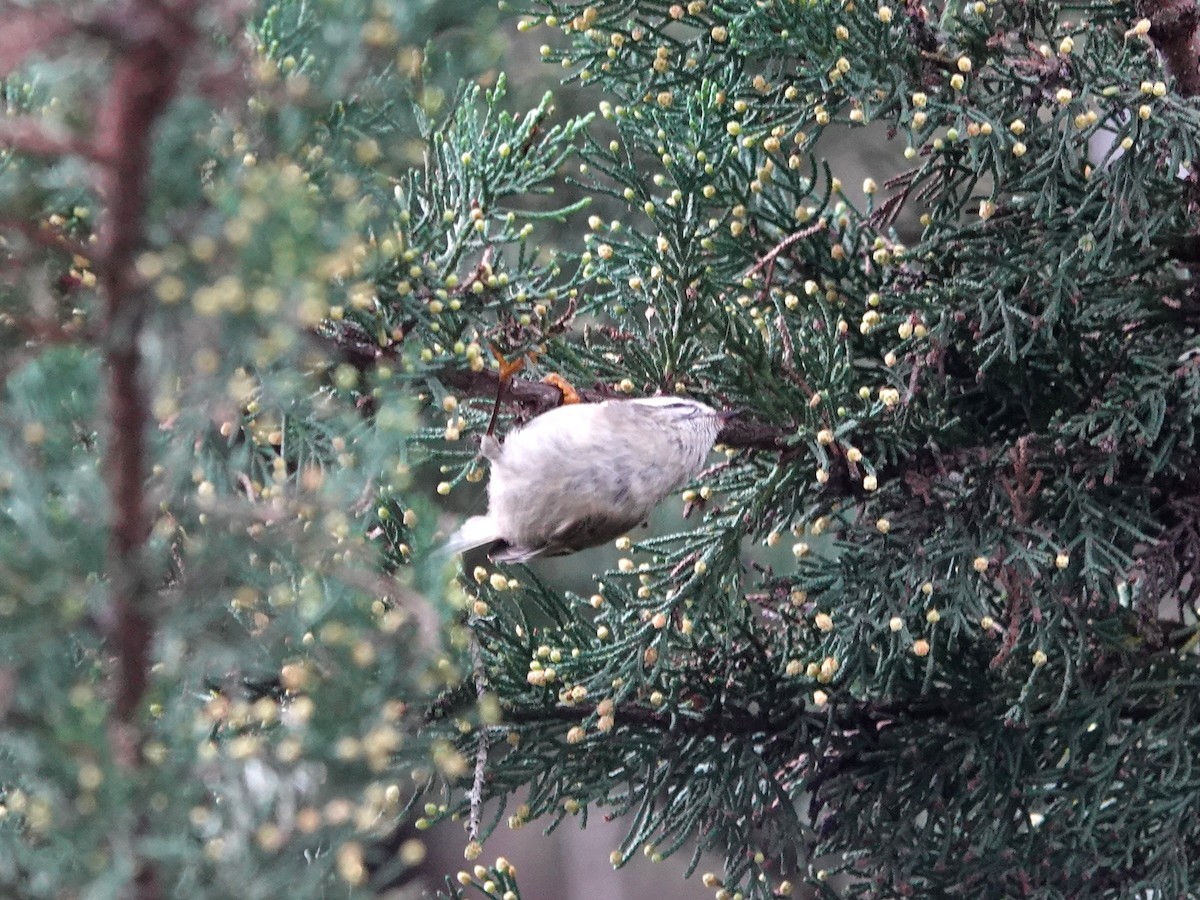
(569, 394)
(508, 367)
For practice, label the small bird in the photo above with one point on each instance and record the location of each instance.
(580, 475)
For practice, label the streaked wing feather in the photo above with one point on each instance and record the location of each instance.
(588, 531)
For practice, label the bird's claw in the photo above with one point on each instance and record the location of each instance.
(569, 394)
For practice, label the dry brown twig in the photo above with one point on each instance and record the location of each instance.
(767, 260)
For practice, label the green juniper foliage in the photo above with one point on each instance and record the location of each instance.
(980, 679)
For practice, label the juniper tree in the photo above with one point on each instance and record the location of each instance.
(969, 397)
(977, 675)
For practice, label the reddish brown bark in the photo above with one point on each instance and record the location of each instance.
(1175, 31)
(144, 79)
(154, 43)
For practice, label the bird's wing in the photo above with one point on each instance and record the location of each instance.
(587, 531)
(576, 534)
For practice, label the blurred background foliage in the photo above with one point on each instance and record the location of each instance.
(295, 642)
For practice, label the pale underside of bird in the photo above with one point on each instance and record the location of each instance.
(584, 474)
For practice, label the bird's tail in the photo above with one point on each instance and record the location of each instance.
(475, 532)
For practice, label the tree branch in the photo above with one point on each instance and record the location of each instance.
(719, 723)
(46, 237)
(154, 44)
(143, 82)
(736, 433)
(478, 782)
(768, 258)
(1175, 31)
(28, 135)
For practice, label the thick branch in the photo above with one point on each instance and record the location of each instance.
(144, 77)
(538, 394)
(149, 42)
(1175, 31)
(843, 715)
(736, 433)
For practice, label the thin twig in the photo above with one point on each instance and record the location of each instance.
(769, 257)
(475, 815)
(501, 384)
(46, 237)
(27, 135)
(786, 365)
